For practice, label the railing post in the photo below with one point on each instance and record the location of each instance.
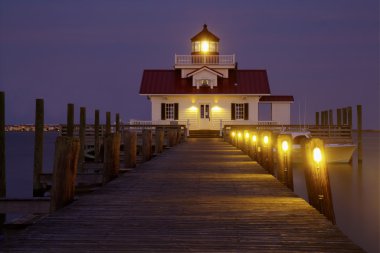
(317, 179)
(111, 156)
(359, 127)
(130, 148)
(96, 136)
(146, 145)
(38, 147)
(284, 160)
(82, 136)
(117, 123)
(2, 146)
(159, 140)
(108, 123)
(64, 173)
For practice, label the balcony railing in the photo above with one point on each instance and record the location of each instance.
(205, 59)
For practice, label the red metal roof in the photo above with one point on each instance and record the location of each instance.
(276, 98)
(157, 82)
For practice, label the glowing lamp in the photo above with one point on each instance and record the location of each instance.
(254, 138)
(266, 139)
(285, 146)
(239, 135)
(233, 134)
(205, 46)
(246, 135)
(317, 155)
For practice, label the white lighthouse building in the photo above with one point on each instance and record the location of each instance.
(206, 90)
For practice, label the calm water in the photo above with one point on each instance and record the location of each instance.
(355, 189)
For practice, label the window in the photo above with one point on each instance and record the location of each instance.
(169, 111)
(239, 111)
(196, 46)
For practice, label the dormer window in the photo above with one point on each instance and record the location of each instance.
(205, 82)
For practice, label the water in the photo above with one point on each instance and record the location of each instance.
(355, 189)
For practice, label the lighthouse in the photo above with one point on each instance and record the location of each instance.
(205, 90)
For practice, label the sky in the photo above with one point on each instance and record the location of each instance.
(92, 52)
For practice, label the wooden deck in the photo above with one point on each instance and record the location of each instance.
(201, 196)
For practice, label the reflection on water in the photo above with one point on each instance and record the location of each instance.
(355, 191)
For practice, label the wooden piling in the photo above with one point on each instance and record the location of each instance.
(108, 123)
(344, 112)
(159, 140)
(117, 118)
(317, 118)
(359, 128)
(111, 156)
(64, 172)
(2, 146)
(147, 144)
(284, 160)
(317, 179)
(267, 154)
(70, 120)
(38, 147)
(253, 145)
(96, 136)
(82, 137)
(331, 119)
(339, 116)
(130, 148)
(349, 116)
(172, 137)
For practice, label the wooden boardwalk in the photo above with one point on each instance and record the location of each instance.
(201, 196)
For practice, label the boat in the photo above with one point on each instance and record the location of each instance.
(335, 153)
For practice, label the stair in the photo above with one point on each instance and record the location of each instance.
(204, 134)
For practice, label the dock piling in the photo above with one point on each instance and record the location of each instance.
(82, 136)
(111, 156)
(284, 160)
(38, 147)
(64, 172)
(130, 148)
(96, 136)
(159, 140)
(70, 120)
(2, 146)
(147, 145)
(108, 123)
(359, 128)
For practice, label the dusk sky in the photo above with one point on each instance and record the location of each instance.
(92, 53)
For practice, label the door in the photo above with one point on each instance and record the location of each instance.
(205, 121)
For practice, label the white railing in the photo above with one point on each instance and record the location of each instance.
(205, 59)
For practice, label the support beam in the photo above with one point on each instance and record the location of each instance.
(38, 148)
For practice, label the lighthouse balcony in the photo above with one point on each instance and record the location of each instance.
(196, 60)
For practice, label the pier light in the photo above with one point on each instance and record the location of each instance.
(266, 139)
(239, 135)
(233, 134)
(317, 155)
(193, 108)
(285, 146)
(216, 109)
(246, 135)
(254, 138)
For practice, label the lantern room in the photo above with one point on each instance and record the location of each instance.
(205, 42)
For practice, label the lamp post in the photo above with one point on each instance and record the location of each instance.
(317, 157)
(254, 141)
(285, 147)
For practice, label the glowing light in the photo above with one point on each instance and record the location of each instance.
(285, 146)
(233, 134)
(193, 108)
(205, 46)
(254, 138)
(193, 100)
(317, 155)
(239, 135)
(246, 135)
(216, 108)
(266, 139)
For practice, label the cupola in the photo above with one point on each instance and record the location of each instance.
(205, 42)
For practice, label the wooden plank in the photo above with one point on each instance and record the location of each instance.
(201, 196)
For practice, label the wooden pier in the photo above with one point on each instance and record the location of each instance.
(201, 196)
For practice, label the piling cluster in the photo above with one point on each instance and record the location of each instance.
(274, 153)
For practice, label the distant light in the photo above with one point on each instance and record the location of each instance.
(285, 146)
(247, 135)
(205, 46)
(266, 139)
(193, 108)
(317, 155)
(254, 138)
(239, 134)
(233, 134)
